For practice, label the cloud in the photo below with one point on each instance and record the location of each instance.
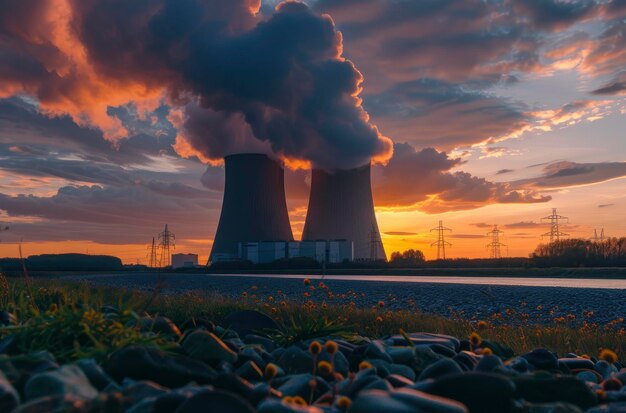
(568, 174)
(400, 233)
(617, 86)
(605, 205)
(481, 225)
(524, 224)
(556, 14)
(504, 171)
(225, 67)
(423, 180)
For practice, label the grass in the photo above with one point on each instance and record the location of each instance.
(69, 321)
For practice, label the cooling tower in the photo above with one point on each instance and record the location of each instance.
(341, 207)
(254, 207)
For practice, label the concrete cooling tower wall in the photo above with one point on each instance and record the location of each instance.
(341, 207)
(254, 207)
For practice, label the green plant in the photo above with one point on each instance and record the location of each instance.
(302, 327)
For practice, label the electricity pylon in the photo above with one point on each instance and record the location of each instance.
(555, 233)
(441, 243)
(152, 260)
(597, 238)
(495, 244)
(166, 241)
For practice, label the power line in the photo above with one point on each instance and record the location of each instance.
(555, 233)
(597, 238)
(495, 244)
(166, 241)
(441, 242)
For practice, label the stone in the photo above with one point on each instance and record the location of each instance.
(401, 355)
(466, 360)
(299, 385)
(250, 354)
(9, 397)
(7, 318)
(294, 360)
(96, 375)
(139, 390)
(403, 401)
(440, 368)
(489, 363)
(67, 380)
(397, 380)
(250, 371)
(267, 343)
(54, 404)
(376, 349)
(143, 406)
(542, 359)
(576, 363)
(609, 408)
(205, 346)
(249, 322)
(589, 376)
(518, 364)
(276, 406)
(605, 369)
(144, 363)
(424, 357)
(498, 349)
(480, 392)
(551, 408)
(160, 325)
(566, 389)
(215, 401)
(428, 339)
(170, 401)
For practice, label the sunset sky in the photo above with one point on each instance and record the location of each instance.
(115, 115)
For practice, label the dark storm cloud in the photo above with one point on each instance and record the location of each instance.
(280, 76)
(423, 180)
(556, 14)
(568, 174)
(617, 86)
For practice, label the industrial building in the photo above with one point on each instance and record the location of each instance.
(254, 206)
(341, 206)
(184, 261)
(264, 252)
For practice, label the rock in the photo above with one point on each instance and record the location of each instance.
(232, 383)
(144, 363)
(276, 406)
(554, 389)
(170, 401)
(143, 406)
(9, 397)
(294, 360)
(576, 363)
(480, 392)
(427, 339)
(588, 376)
(139, 390)
(403, 401)
(340, 362)
(466, 360)
(159, 325)
(542, 359)
(67, 380)
(249, 322)
(401, 355)
(250, 371)
(250, 354)
(551, 408)
(215, 401)
(397, 380)
(376, 349)
(498, 349)
(299, 385)
(96, 375)
(489, 363)
(605, 369)
(7, 319)
(609, 408)
(440, 368)
(208, 347)
(267, 344)
(424, 357)
(54, 404)
(518, 364)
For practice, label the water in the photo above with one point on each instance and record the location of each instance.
(507, 281)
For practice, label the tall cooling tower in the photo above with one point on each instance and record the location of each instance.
(341, 207)
(254, 207)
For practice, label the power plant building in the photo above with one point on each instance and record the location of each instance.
(265, 252)
(341, 206)
(184, 261)
(254, 206)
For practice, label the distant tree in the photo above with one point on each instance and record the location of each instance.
(409, 257)
(580, 252)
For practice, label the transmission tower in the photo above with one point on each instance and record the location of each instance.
(3, 228)
(374, 243)
(555, 233)
(441, 243)
(152, 259)
(597, 238)
(495, 244)
(166, 241)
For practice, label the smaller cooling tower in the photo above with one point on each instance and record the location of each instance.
(254, 207)
(341, 207)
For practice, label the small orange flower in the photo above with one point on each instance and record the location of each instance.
(379, 319)
(381, 304)
(331, 347)
(324, 368)
(283, 304)
(315, 348)
(365, 365)
(307, 282)
(482, 325)
(475, 339)
(487, 351)
(343, 403)
(608, 355)
(271, 370)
